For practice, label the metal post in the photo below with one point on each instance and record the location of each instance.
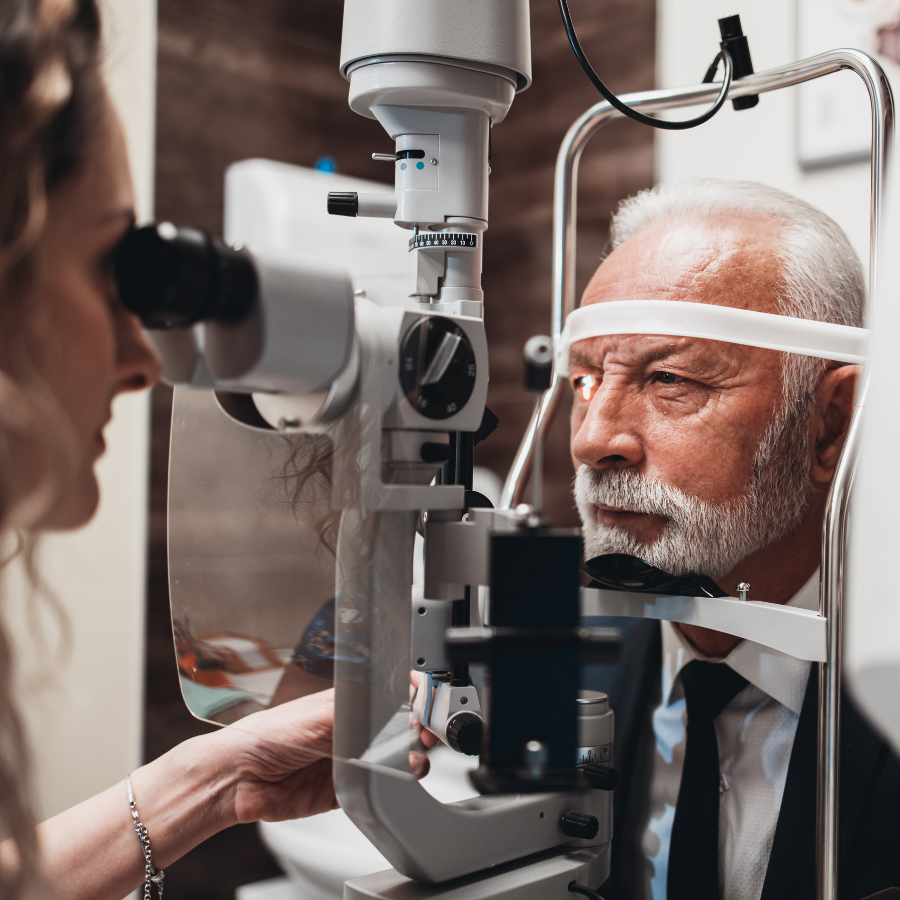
(834, 531)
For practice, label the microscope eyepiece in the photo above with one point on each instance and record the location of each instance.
(174, 277)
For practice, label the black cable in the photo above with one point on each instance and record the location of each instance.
(624, 108)
(581, 889)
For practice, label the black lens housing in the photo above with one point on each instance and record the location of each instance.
(175, 277)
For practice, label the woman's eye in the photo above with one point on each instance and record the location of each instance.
(586, 386)
(666, 378)
(108, 263)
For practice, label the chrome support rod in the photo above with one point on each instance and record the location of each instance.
(834, 532)
(831, 606)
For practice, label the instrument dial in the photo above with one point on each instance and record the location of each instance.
(437, 367)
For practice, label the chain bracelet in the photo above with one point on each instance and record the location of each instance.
(151, 874)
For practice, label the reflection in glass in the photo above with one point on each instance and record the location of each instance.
(251, 562)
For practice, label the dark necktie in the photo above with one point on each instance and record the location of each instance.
(694, 848)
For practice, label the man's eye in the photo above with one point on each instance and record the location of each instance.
(586, 386)
(666, 378)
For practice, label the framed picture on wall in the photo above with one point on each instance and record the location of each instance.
(833, 113)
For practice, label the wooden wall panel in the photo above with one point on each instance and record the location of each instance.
(260, 79)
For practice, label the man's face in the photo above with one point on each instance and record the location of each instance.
(684, 457)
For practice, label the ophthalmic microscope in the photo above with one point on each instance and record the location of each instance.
(401, 392)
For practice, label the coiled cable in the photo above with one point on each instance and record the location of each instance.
(624, 108)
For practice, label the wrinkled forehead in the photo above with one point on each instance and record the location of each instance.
(639, 350)
(713, 279)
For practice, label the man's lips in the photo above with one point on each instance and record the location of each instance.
(612, 515)
(617, 509)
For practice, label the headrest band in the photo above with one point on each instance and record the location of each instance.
(714, 323)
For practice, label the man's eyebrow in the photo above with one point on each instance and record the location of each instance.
(581, 360)
(664, 353)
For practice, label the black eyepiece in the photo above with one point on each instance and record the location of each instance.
(174, 277)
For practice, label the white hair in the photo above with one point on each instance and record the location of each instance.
(821, 275)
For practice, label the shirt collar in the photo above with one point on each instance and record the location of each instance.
(780, 676)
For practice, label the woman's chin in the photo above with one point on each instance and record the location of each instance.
(75, 507)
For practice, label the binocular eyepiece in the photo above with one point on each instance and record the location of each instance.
(175, 277)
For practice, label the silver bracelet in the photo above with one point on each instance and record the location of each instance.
(151, 875)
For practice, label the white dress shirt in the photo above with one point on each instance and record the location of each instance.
(755, 734)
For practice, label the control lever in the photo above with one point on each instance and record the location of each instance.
(538, 377)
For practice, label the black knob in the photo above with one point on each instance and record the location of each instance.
(538, 363)
(437, 367)
(173, 277)
(602, 778)
(435, 453)
(341, 203)
(464, 733)
(579, 825)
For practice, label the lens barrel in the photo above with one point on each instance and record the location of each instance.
(174, 277)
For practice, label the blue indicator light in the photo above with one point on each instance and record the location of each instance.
(420, 165)
(326, 164)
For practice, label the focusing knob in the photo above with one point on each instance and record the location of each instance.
(602, 778)
(579, 825)
(173, 277)
(437, 367)
(343, 203)
(464, 732)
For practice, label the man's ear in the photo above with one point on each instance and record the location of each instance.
(835, 398)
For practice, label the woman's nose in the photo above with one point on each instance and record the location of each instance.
(137, 364)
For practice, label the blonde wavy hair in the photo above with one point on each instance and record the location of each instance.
(51, 101)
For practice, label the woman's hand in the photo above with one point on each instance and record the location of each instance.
(281, 760)
(281, 763)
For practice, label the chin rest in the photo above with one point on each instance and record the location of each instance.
(621, 572)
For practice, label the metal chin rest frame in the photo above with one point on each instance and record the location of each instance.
(800, 633)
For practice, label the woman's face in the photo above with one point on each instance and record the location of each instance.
(86, 346)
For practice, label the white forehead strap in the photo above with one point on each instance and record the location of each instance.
(715, 323)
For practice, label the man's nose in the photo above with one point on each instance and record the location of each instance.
(608, 435)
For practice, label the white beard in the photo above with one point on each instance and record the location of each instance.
(703, 537)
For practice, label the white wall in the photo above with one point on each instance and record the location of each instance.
(86, 725)
(757, 144)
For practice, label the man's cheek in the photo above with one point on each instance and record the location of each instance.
(695, 461)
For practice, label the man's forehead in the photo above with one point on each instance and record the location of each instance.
(717, 259)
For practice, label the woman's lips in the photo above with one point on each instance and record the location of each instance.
(99, 440)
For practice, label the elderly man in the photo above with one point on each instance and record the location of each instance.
(705, 457)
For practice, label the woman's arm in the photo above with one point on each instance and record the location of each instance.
(268, 766)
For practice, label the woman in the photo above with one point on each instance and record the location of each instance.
(67, 348)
